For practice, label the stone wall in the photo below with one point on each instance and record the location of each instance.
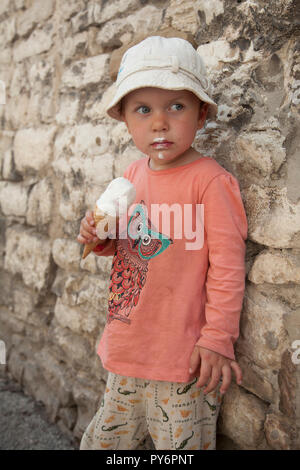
(58, 151)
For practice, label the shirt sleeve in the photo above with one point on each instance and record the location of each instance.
(226, 228)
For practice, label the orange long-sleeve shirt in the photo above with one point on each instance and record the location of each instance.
(167, 293)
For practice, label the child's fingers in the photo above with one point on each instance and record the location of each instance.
(85, 240)
(194, 361)
(205, 374)
(215, 379)
(226, 378)
(238, 372)
(89, 236)
(86, 226)
(90, 218)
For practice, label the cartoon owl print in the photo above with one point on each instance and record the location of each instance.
(130, 263)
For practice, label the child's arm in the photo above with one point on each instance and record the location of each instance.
(87, 234)
(226, 227)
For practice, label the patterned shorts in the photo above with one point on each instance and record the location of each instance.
(176, 415)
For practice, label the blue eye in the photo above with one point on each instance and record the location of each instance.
(143, 109)
(177, 106)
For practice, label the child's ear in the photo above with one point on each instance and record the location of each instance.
(202, 114)
(122, 114)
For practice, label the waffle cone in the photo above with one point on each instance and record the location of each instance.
(98, 216)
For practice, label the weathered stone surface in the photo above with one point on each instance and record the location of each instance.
(279, 432)
(69, 107)
(130, 155)
(75, 348)
(75, 319)
(242, 417)
(89, 293)
(112, 10)
(5, 6)
(66, 253)
(75, 47)
(148, 19)
(259, 381)
(263, 335)
(33, 148)
(13, 199)
(40, 203)
(218, 54)
(56, 376)
(39, 11)
(83, 140)
(182, 15)
(39, 41)
(91, 71)
(28, 254)
(260, 153)
(272, 219)
(40, 80)
(7, 30)
(35, 385)
(88, 401)
(70, 8)
(24, 301)
(287, 382)
(276, 267)
(211, 10)
(8, 167)
(6, 138)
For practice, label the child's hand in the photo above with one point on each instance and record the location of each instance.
(212, 367)
(87, 232)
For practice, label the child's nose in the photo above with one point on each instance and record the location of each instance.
(159, 121)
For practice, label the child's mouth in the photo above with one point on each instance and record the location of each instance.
(161, 145)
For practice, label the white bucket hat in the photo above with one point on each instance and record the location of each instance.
(169, 63)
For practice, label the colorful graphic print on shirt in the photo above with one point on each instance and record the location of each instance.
(130, 263)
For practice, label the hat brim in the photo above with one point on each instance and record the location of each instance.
(155, 78)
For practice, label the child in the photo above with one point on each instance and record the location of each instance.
(174, 306)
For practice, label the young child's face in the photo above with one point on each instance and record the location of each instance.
(168, 115)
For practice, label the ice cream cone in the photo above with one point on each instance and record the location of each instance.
(98, 217)
(111, 205)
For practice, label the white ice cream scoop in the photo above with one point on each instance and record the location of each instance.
(111, 205)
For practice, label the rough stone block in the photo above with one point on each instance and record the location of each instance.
(28, 254)
(40, 203)
(259, 153)
(13, 199)
(182, 15)
(82, 141)
(39, 11)
(39, 41)
(7, 31)
(33, 148)
(218, 53)
(263, 335)
(87, 72)
(272, 219)
(242, 418)
(276, 267)
(279, 432)
(68, 109)
(56, 376)
(66, 254)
